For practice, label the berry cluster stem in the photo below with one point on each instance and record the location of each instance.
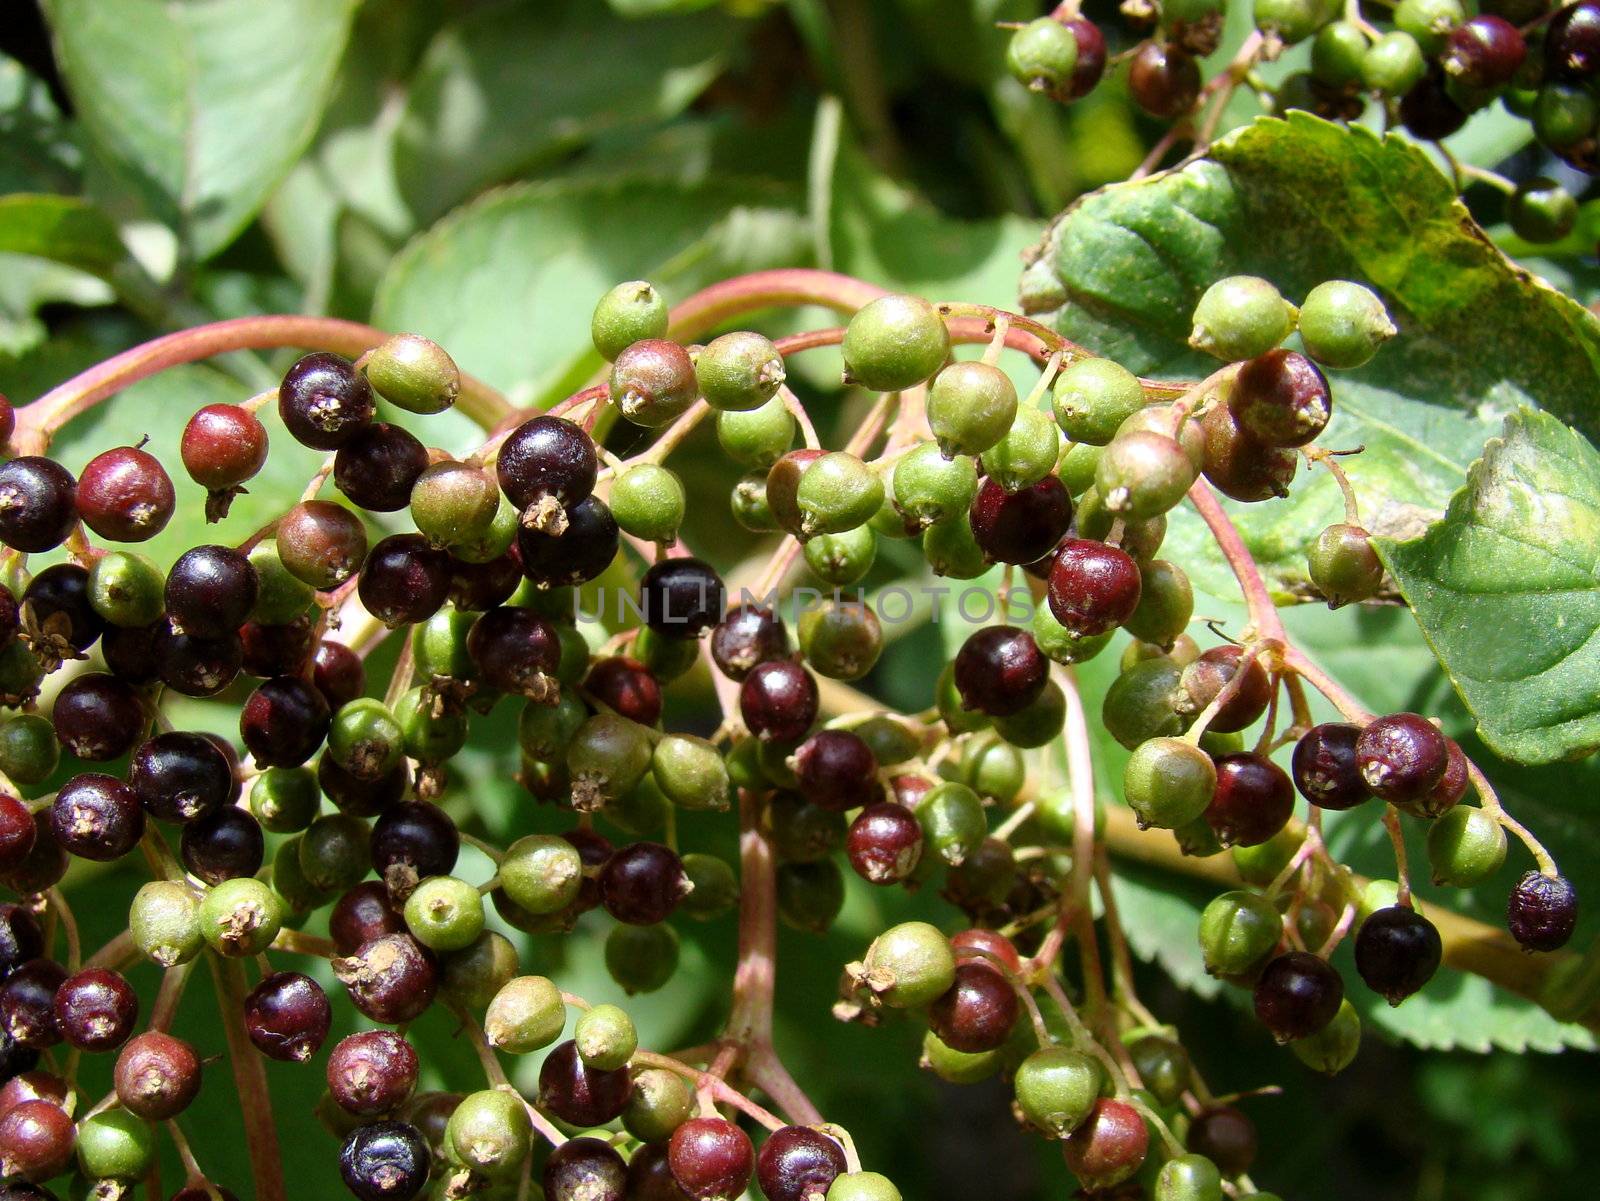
(250, 1081)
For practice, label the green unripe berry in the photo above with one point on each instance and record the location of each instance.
(1342, 324)
(993, 767)
(1092, 398)
(1292, 21)
(20, 673)
(439, 646)
(240, 917)
(1042, 57)
(490, 1133)
(428, 737)
(444, 913)
(1393, 65)
(952, 820)
(285, 800)
(1188, 1178)
(1465, 846)
(1026, 454)
(1564, 114)
(648, 501)
(474, 975)
(1242, 316)
(1166, 603)
(1143, 474)
(1343, 565)
(1429, 21)
(892, 739)
(527, 1014)
(414, 373)
(280, 596)
(1077, 466)
(952, 551)
(947, 698)
(1197, 839)
(541, 873)
(690, 772)
(365, 739)
(495, 540)
(1163, 1066)
(453, 503)
(1260, 864)
(607, 757)
(640, 811)
(626, 314)
(164, 921)
(1061, 644)
(748, 504)
(739, 372)
(290, 882)
(1541, 211)
(971, 406)
(887, 521)
(714, 889)
(1038, 723)
(894, 343)
(667, 658)
(1142, 703)
(1337, 54)
(842, 559)
(1237, 931)
(605, 1037)
(126, 588)
(908, 965)
(758, 438)
(837, 492)
(841, 640)
(1168, 782)
(641, 959)
(959, 1067)
(545, 731)
(115, 1145)
(660, 1102)
(29, 750)
(1333, 1048)
(1056, 1089)
(335, 852)
(929, 488)
(862, 1186)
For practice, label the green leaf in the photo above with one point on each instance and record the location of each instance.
(1519, 550)
(40, 155)
(507, 284)
(199, 108)
(1301, 201)
(61, 228)
(516, 87)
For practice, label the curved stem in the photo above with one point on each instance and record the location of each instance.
(1263, 613)
(250, 1080)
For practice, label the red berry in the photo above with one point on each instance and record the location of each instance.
(711, 1159)
(125, 495)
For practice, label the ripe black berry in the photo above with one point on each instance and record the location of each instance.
(415, 839)
(181, 776)
(681, 598)
(517, 651)
(28, 1003)
(1428, 112)
(1254, 799)
(404, 580)
(625, 687)
(193, 665)
(1484, 52)
(376, 467)
(96, 1010)
(837, 770)
(281, 650)
(1093, 587)
(547, 458)
(98, 716)
(287, 1016)
(1397, 952)
(391, 979)
(38, 503)
(324, 401)
(588, 1169)
(362, 914)
(642, 883)
(798, 1163)
(1402, 757)
(585, 547)
(338, 673)
(1325, 767)
(1022, 526)
(1165, 81)
(125, 495)
(385, 1161)
(283, 722)
(97, 817)
(56, 602)
(210, 591)
(999, 670)
(1542, 912)
(1226, 1137)
(227, 844)
(778, 701)
(749, 634)
(1297, 995)
(578, 1094)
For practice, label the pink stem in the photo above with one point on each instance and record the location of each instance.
(1263, 613)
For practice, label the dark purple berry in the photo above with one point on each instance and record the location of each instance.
(1253, 800)
(210, 591)
(1022, 526)
(999, 670)
(97, 817)
(181, 776)
(38, 504)
(681, 598)
(1297, 995)
(96, 1010)
(778, 701)
(749, 634)
(283, 722)
(376, 467)
(1093, 587)
(404, 580)
(324, 401)
(1542, 912)
(98, 716)
(1397, 952)
(1325, 767)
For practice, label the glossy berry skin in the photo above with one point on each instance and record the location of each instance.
(27, 1003)
(894, 342)
(157, 1076)
(404, 580)
(578, 1094)
(547, 457)
(711, 1159)
(978, 1011)
(588, 1169)
(181, 776)
(58, 598)
(837, 770)
(223, 846)
(362, 914)
(392, 979)
(641, 884)
(1164, 81)
(999, 671)
(1108, 1147)
(96, 1010)
(414, 837)
(681, 598)
(97, 817)
(287, 1016)
(797, 1163)
(580, 553)
(372, 1072)
(283, 722)
(385, 1161)
(515, 650)
(1428, 112)
(38, 503)
(1022, 526)
(36, 1140)
(1297, 994)
(1226, 1137)
(1281, 399)
(653, 381)
(1204, 679)
(1542, 912)
(778, 701)
(321, 544)
(376, 467)
(884, 843)
(324, 402)
(125, 495)
(1093, 587)
(1484, 52)
(210, 591)
(747, 635)
(1572, 42)
(1325, 767)
(1397, 952)
(223, 446)
(1254, 799)
(17, 831)
(98, 717)
(1402, 757)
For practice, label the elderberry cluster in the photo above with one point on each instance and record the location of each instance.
(334, 818)
(1428, 65)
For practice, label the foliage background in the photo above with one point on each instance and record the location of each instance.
(479, 171)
